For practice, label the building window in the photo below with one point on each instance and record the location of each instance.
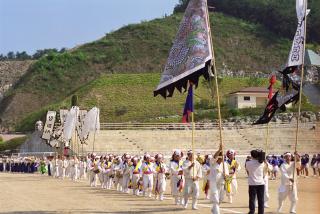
(246, 98)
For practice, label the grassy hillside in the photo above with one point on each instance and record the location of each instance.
(139, 48)
(128, 97)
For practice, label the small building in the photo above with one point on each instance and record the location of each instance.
(251, 97)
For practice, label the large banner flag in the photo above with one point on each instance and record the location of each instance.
(70, 123)
(188, 106)
(91, 123)
(291, 74)
(48, 128)
(191, 52)
(297, 49)
(277, 102)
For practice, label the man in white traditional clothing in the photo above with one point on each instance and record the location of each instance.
(110, 174)
(94, 171)
(65, 165)
(217, 180)
(59, 167)
(82, 169)
(177, 178)
(100, 162)
(68, 168)
(288, 186)
(75, 168)
(105, 170)
(147, 171)
(126, 173)
(118, 173)
(135, 175)
(234, 168)
(193, 172)
(159, 177)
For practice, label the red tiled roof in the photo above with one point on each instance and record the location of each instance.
(253, 90)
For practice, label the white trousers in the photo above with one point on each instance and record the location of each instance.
(234, 189)
(159, 185)
(125, 182)
(82, 173)
(56, 172)
(147, 184)
(266, 190)
(134, 183)
(191, 188)
(75, 173)
(175, 189)
(105, 183)
(64, 172)
(93, 179)
(290, 192)
(101, 178)
(216, 194)
(118, 183)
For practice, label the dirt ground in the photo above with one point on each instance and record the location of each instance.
(25, 193)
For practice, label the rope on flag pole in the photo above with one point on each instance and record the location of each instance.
(300, 89)
(214, 71)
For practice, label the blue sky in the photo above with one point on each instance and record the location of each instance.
(29, 25)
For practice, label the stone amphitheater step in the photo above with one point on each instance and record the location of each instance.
(243, 140)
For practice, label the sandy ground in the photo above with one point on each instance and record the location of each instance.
(25, 193)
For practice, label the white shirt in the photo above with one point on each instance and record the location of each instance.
(286, 173)
(216, 174)
(188, 173)
(216, 171)
(175, 167)
(255, 170)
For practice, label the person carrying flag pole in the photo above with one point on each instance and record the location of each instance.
(191, 167)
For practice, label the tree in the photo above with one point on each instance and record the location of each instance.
(2, 57)
(22, 55)
(181, 6)
(11, 55)
(74, 100)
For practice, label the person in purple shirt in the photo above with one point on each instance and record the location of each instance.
(305, 165)
(275, 167)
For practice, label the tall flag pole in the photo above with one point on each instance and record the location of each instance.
(213, 71)
(292, 75)
(190, 55)
(302, 12)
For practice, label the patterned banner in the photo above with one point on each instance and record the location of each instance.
(296, 53)
(48, 128)
(191, 51)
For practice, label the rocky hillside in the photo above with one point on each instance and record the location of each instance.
(11, 72)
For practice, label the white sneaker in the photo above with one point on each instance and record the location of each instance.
(185, 206)
(195, 208)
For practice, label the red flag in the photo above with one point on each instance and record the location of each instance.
(272, 81)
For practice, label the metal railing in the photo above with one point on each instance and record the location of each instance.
(198, 126)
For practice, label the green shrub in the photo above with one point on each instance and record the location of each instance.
(12, 144)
